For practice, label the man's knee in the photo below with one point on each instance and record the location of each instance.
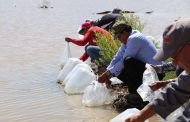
(86, 47)
(89, 49)
(93, 51)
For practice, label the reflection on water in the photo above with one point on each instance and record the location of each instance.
(32, 41)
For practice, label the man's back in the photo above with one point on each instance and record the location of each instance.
(140, 47)
(108, 20)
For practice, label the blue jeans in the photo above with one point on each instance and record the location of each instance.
(93, 51)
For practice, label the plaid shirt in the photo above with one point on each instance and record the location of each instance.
(163, 68)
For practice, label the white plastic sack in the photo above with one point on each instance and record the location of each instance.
(122, 116)
(115, 80)
(66, 55)
(70, 64)
(96, 94)
(74, 70)
(80, 78)
(149, 77)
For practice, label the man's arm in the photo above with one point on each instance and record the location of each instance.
(141, 116)
(104, 77)
(172, 96)
(82, 42)
(117, 56)
(163, 68)
(132, 47)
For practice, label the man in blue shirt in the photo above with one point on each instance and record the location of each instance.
(129, 62)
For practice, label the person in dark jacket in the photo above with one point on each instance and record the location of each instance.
(107, 21)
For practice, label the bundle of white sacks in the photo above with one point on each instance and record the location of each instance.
(77, 77)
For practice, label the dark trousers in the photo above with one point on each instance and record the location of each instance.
(132, 74)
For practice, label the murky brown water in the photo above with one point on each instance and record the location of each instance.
(31, 44)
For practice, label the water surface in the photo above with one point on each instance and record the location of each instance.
(32, 42)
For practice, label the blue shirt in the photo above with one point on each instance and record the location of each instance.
(138, 47)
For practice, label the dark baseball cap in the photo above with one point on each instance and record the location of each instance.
(116, 10)
(175, 35)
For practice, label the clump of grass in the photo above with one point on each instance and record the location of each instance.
(108, 48)
(170, 75)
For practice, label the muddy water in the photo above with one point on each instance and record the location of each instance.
(32, 42)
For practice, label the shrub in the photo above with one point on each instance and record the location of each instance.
(132, 20)
(108, 50)
(170, 75)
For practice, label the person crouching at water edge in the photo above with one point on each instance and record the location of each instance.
(89, 40)
(129, 62)
(176, 92)
(107, 21)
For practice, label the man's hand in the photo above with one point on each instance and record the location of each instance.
(158, 84)
(67, 39)
(142, 115)
(104, 77)
(134, 118)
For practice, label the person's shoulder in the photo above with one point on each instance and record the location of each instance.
(115, 15)
(135, 34)
(137, 37)
(112, 15)
(92, 29)
(96, 28)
